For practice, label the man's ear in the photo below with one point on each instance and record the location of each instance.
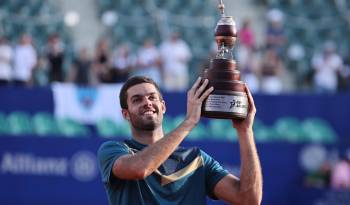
(125, 114)
(163, 107)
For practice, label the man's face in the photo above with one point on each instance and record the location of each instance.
(145, 109)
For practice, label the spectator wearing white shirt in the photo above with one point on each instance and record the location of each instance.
(148, 62)
(6, 55)
(327, 66)
(25, 59)
(272, 69)
(123, 63)
(175, 55)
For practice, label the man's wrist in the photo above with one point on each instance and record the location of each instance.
(245, 132)
(188, 124)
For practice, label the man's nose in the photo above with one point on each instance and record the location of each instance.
(147, 102)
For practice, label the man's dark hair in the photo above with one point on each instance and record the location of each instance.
(131, 82)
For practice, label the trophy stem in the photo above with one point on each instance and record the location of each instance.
(221, 7)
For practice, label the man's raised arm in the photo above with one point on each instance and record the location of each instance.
(248, 189)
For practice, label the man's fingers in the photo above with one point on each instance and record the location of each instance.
(206, 94)
(201, 88)
(195, 85)
(250, 98)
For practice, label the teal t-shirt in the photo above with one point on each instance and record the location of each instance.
(185, 178)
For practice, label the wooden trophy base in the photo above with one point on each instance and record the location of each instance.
(229, 99)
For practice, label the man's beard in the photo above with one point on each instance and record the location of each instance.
(145, 125)
(149, 126)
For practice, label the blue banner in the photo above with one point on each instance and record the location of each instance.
(56, 171)
(333, 108)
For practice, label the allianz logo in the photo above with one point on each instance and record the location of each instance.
(81, 165)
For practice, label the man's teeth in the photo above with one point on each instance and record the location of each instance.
(148, 112)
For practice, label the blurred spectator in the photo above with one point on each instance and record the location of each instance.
(123, 63)
(55, 55)
(344, 77)
(205, 64)
(271, 71)
(321, 177)
(81, 70)
(148, 61)
(25, 59)
(275, 36)
(175, 55)
(101, 63)
(246, 56)
(6, 55)
(327, 67)
(246, 35)
(297, 65)
(340, 178)
(40, 72)
(249, 71)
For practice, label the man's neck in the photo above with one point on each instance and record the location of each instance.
(147, 137)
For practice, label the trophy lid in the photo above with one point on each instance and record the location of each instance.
(227, 20)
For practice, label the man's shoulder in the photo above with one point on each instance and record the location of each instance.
(111, 145)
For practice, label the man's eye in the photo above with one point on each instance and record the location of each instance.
(152, 97)
(135, 100)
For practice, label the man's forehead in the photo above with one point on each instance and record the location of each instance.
(142, 89)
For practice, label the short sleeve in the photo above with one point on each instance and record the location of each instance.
(214, 172)
(107, 154)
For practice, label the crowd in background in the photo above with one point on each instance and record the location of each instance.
(167, 64)
(263, 67)
(276, 66)
(333, 173)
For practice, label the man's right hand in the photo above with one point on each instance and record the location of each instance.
(195, 98)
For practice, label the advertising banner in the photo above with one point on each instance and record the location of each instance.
(56, 171)
(87, 104)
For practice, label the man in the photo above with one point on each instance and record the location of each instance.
(6, 55)
(24, 61)
(175, 55)
(327, 66)
(151, 168)
(55, 55)
(148, 62)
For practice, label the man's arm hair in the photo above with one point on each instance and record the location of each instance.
(248, 189)
(143, 163)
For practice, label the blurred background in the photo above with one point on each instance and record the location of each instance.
(62, 64)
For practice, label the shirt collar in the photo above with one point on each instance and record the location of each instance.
(136, 144)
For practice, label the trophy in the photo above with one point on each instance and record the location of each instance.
(229, 99)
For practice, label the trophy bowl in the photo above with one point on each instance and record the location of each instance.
(225, 32)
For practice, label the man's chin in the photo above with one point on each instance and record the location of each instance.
(150, 126)
(147, 122)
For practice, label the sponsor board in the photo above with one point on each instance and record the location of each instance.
(82, 166)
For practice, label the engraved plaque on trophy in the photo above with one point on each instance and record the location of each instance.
(229, 99)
